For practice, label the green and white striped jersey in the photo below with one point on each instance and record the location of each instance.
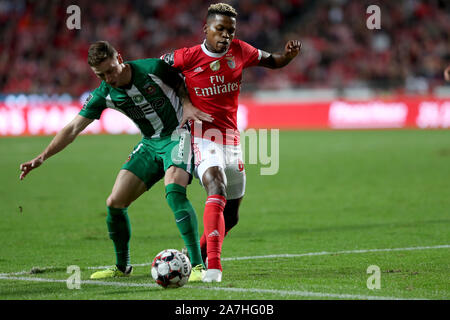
(150, 101)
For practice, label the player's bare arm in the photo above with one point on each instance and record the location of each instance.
(189, 111)
(63, 138)
(279, 60)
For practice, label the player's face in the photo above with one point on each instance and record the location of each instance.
(219, 32)
(110, 71)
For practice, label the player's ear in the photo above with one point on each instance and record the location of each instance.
(205, 28)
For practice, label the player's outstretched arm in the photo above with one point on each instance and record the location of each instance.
(279, 60)
(59, 142)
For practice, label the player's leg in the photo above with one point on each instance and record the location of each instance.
(231, 219)
(178, 166)
(214, 182)
(209, 168)
(235, 190)
(136, 176)
(176, 180)
(236, 181)
(127, 188)
(231, 213)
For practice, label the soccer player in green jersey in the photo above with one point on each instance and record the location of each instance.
(153, 95)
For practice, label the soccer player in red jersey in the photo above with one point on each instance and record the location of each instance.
(213, 73)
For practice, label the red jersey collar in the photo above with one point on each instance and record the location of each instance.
(213, 54)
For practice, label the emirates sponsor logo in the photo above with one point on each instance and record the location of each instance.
(218, 86)
(219, 89)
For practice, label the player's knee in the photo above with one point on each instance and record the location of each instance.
(114, 202)
(217, 186)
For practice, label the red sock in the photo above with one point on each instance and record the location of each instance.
(203, 245)
(214, 229)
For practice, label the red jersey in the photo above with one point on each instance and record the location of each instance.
(213, 81)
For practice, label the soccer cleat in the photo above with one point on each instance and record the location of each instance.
(197, 273)
(213, 275)
(112, 272)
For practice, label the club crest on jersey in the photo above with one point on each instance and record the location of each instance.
(138, 98)
(151, 89)
(230, 62)
(215, 65)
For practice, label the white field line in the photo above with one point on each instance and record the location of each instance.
(240, 290)
(14, 276)
(308, 254)
(335, 252)
(287, 255)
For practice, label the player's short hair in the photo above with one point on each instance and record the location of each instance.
(99, 52)
(222, 9)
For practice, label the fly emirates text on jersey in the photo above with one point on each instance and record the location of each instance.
(218, 87)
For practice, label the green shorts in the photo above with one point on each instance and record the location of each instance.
(152, 157)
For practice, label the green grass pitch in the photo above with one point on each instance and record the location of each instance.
(339, 199)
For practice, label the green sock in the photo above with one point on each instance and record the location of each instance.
(186, 220)
(119, 232)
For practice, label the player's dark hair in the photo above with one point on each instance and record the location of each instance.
(222, 9)
(99, 52)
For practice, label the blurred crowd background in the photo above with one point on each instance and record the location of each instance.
(39, 54)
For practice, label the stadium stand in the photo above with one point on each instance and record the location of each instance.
(39, 54)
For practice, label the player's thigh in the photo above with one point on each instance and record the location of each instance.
(235, 173)
(209, 161)
(177, 175)
(139, 173)
(176, 154)
(127, 188)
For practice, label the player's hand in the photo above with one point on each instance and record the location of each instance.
(447, 74)
(26, 167)
(292, 48)
(192, 113)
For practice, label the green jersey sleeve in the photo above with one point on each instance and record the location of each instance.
(168, 74)
(162, 70)
(94, 104)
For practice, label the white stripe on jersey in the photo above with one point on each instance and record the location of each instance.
(150, 114)
(170, 93)
(110, 104)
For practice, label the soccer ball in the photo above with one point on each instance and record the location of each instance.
(171, 268)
